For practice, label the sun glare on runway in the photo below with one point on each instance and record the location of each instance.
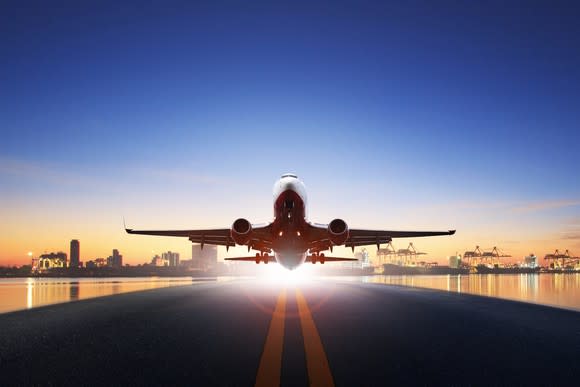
(277, 274)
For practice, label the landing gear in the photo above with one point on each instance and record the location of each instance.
(263, 257)
(317, 258)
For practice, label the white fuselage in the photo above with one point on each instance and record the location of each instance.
(290, 227)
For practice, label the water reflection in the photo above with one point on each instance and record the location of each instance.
(74, 291)
(562, 290)
(26, 293)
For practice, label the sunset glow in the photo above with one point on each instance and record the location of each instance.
(403, 125)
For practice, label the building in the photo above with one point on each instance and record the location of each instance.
(52, 261)
(97, 262)
(158, 261)
(115, 260)
(204, 259)
(531, 261)
(75, 251)
(171, 259)
(454, 261)
(362, 260)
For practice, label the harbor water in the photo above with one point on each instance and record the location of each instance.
(27, 293)
(557, 290)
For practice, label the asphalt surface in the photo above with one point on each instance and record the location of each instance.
(318, 333)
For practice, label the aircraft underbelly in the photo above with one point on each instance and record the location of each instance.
(290, 260)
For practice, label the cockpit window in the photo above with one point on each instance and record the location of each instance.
(289, 175)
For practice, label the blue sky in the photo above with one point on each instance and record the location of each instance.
(411, 112)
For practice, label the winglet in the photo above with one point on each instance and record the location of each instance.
(127, 230)
(452, 232)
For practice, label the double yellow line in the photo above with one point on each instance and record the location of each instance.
(271, 362)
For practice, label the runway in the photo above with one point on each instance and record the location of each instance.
(246, 333)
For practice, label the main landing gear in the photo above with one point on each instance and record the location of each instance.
(262, 257)
(317, 258)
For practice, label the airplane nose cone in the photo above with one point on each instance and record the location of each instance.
(288, 185)
(290, 260)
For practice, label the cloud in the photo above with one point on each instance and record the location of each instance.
(469, 205)
(62, 175)
(513, 207)
(545, 205)
(572, 222)
(571, 237)
(48, 173)
(17, 167)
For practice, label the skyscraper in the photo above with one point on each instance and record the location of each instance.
(75, 252)
(171, 258)
(115, 260)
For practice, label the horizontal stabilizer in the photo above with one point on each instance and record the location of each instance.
(330, 259)
(253, 259)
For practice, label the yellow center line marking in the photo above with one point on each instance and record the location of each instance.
(316, 362)
(271, 361)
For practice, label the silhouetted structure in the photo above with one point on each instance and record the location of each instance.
(562, 260)
(477, 257)
(398, 257)
(157, 261)
(75, 251)
(115, 260)
(52, 261)
(97, 262)
(362, 260)
(171, 258)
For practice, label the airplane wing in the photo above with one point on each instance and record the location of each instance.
(359, 237)
(219, 236)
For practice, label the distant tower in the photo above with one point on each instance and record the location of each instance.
(75, 252)
(170, 258)
(116, 259)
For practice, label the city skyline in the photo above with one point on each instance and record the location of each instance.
(400, 245)
(398, 116)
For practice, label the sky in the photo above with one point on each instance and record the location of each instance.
(396, 115)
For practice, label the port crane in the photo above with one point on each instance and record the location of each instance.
(562, 260)
(478, 256)
(400, 257)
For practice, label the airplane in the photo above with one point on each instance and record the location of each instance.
(290, 239)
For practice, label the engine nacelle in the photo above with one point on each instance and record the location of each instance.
(241, 231)
(338, 232)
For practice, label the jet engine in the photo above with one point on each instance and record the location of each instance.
(241, 231)
(338, 232)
